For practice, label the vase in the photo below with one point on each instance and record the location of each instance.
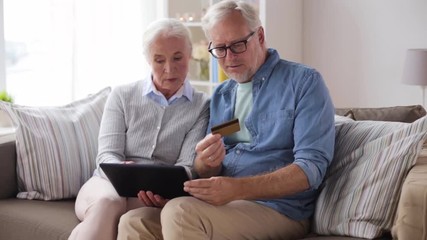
(203, 70)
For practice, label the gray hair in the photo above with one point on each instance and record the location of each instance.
(217, 11)
(166, 27)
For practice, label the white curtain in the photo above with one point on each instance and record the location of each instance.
(58, 51)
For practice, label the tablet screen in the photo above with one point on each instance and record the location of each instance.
(129, 179)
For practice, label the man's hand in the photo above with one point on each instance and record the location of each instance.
(215, 190)
(210, 154)
(149, 199)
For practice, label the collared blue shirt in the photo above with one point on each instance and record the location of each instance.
(150, 90)
(291, 121)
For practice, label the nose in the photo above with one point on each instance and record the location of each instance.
(230, 54)
(169, 67)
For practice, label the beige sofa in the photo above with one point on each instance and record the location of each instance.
(45, 220)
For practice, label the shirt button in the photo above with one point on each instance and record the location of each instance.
(238, 152)
(153, 146)
(158, 127)
(263, 78)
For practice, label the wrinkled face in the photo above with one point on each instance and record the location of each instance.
(238, 66)
(169, 59)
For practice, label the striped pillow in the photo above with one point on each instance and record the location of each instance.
(361, 189)
(56, 146)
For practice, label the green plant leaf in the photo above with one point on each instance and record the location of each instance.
(4, 96)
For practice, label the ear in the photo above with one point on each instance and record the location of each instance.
(261, 35)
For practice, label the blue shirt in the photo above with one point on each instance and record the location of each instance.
(291, 121)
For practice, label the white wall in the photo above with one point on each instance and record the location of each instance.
(283, 24)
(360, 47)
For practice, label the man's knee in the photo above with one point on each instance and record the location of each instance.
(176, 207)
(184, 211)
(127, 218)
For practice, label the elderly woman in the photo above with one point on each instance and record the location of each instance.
(158, 120)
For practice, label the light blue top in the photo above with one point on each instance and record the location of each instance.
(292, 121)
(150, 90)
(241, 111)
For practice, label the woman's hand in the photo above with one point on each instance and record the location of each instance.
(149, 199)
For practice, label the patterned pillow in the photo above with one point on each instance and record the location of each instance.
(56, 146)
(361, 189)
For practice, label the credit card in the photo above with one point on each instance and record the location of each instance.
(227, 128)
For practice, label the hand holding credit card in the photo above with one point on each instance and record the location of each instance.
(227, 128)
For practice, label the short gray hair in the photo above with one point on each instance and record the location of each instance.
(217, 11)
(167, 27)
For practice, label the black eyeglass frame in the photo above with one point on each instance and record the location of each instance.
(244, 41)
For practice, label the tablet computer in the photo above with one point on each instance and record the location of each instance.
(129, 179)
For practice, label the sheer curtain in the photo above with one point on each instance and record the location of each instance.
(58, 51)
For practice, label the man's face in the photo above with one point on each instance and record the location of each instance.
(238, 66)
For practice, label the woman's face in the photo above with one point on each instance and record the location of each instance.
(169, 59)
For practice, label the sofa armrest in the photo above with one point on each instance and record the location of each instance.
(8, 182)
(411, 219)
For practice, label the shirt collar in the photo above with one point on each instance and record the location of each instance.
(267, 68)
(186, 90)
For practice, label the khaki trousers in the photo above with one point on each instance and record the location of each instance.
(189, 218)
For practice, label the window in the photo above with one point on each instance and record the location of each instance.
(57, 51)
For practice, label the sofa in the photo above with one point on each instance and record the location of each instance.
(23, 219)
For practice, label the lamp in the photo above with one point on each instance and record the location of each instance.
(415, 69)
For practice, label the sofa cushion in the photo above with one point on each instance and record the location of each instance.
(42, 220)
(397, 113)
(361, 189)
(56, 146)
(411, 221)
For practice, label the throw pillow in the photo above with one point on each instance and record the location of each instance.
(56, 146)
(339, 119)
(361, 189)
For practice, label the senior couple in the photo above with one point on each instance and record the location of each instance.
(258, 183)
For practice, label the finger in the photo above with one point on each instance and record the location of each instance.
(198, 183)
(144, 198)
(204, 197)
(150, 196)
(218, 152)
(207, 141)
(213, 155)
(160, 201)
(156, 199)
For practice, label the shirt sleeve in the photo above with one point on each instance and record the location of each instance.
(197, 133)
(112, 132)
(314, 130)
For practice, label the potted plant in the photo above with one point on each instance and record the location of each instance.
(5, 120)
(5, 97)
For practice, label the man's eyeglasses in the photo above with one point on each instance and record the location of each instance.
(237, 47)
